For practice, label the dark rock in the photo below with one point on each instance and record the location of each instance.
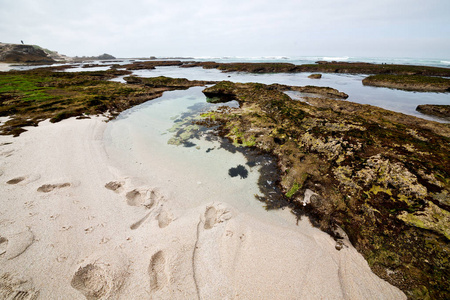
(105, 56)
(240, 170)
(339, 245)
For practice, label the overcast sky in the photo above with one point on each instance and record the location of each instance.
(143, 28)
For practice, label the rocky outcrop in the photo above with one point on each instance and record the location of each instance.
(381, 176)
(15, 53)
(104, 56)
(311, 89)
(409, 82)
(441, 111)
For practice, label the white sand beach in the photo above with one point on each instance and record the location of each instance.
(73, 225)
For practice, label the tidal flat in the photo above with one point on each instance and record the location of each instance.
(381, 177)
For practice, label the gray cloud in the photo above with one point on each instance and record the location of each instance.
(231, 28)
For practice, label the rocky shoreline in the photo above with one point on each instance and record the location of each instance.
(90, 93)
(323, 67)
(380, 176)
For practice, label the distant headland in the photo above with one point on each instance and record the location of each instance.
(34, 54)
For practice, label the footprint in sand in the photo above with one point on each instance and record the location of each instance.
(210, 217)
(16, 287)
(24, 179)
(164, 219)
(102, 276)
(15, 244)
(208, 257)
(142, 197)
(47, 188)
(157, 272)
(16, 180)
(215, 213)
(115, 186)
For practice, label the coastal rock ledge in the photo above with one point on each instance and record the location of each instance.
(15, 53)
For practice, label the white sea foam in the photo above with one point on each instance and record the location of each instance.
(336, 58)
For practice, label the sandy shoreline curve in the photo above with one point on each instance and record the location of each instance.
(73, 226)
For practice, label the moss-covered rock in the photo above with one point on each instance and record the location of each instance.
(29, 97)
(432, 218)
(381, 176)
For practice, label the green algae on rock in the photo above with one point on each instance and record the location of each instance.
(29, 97)
(377, 174)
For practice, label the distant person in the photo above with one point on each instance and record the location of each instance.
(21, 42)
